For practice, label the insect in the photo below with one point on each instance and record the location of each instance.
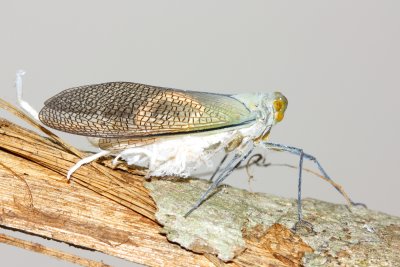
(169, 131)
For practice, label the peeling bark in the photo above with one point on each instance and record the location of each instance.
(232, 219)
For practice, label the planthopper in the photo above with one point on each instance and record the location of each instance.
(169, 131)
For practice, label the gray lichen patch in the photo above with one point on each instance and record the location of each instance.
(216, 226)
(352, 236)
(342, 235)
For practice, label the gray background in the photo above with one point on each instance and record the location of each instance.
(337, 62)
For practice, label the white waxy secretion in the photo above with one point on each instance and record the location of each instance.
(182, 155)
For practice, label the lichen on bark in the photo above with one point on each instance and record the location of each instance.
(352, 236)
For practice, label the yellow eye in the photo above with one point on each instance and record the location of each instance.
(279, 116)
(278, 104)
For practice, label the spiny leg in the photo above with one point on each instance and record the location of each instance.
(299, 152)
(218, 168)
(261, 162)
(85, 161)
(237, 159)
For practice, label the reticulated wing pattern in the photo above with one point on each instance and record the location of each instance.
(124, 109)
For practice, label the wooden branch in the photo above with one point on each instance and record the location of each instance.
(36, 198)
(114, 211)
(48, 251)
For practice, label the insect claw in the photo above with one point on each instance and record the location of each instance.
(147, 176)
(189, 212)
(70, 172)
(73, 169)
(193, 208)
(115, 160)
(359, 204)
(303, 226)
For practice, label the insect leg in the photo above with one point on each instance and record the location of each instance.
(218, 168)
(24, 105)
(237, 159)
(299, 152)
(86, 160)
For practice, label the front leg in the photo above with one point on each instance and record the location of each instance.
(302, 155)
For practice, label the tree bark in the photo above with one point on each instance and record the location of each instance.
(116, 211)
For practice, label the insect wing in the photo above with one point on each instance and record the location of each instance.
(124, 109)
